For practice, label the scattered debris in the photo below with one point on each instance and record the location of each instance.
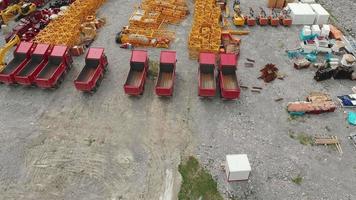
(351, 118)
(249, 64)
(279, 99)
(250, 60)
(316, 103)
(243, 87)
(281, 76)
(347, 100)
(269, 73)
(348, 60)
(352, 137)
(255, 90)
(258, 88)
(328, 140)
(302, 63)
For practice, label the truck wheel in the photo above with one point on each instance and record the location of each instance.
(118, 38)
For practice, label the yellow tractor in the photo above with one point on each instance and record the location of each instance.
(3, 51)
(20, 10)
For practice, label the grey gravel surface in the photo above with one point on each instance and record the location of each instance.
(62, 144)
(342, 14)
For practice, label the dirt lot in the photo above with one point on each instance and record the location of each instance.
(63, 144)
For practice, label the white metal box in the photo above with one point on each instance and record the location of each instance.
(316, 30)
(302, 13)
(325, 30)
(237, 167)
(322, 16)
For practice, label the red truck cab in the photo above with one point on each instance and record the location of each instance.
(229, 87)
(136, 78)
(52, 74)
(27, 75)
(90, 77)
(207, 84)
(22, 55)
(166, 75)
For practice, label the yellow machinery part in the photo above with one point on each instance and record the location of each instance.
(65, 30)
(9, 13)
(147, 25)
(205, 35)
(239, 20)
(28, 8)
(3, 51)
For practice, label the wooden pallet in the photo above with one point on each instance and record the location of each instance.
(328, 140)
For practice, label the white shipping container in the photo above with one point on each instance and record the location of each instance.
(322, 16)
(237, 167)
(302, 13)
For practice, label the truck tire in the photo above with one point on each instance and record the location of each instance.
(118, 38)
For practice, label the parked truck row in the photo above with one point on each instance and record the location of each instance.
(208, 79)
(46, 65)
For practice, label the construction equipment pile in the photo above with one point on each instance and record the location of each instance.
(66, 29)
(147, 25)
(316, 103)
(205, 35)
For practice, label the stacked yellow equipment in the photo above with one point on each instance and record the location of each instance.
(205, 35)
(173, 11)
(147, 25)
(65, 30)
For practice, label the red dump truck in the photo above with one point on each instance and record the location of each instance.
(27, 75)
(207, 84)
(52, 74)
(167, 74)
(92, 74)
(22, 55)
(229, 87)
(135, 82)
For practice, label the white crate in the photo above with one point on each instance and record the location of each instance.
(237, 167)
(322, 16)
(302, 13)
(316, 30)
(325, 30)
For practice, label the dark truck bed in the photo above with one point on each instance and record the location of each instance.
(230, 81)
(165, 77)
(14, 63)
(207, 80)
(88, 70)
(134, 78)
(50, 67)
(31, 65)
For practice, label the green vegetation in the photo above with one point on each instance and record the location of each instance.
(303, 138)
(297, 180)
(153, 69)
(197, 182)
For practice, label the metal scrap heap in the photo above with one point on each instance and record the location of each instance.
(147, 25)
(316, 103)
(65, 30)
(205, 35)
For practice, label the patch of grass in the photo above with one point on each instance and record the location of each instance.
(197, 182)
(303, 138)
(297, 180)
(153, 69)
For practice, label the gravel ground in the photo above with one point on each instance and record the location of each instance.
(342, 13)
(62, 144)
